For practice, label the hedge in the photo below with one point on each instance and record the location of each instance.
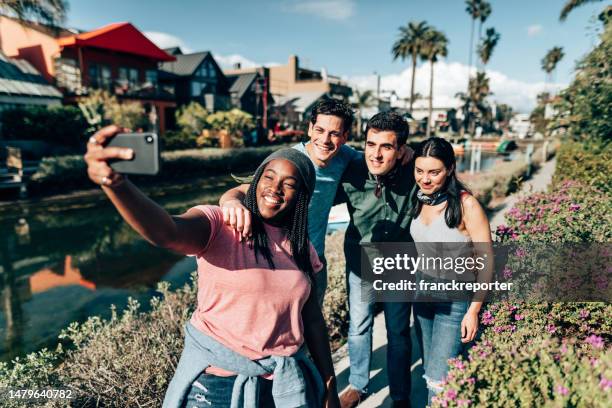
(542, 354)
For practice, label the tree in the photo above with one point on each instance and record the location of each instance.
(435, 46)
(484, 13)
(550, 61)
(409, 45)
(362, 100)
(487, 45)
(192, 118)
(51, 12)
(571, 5)
(101, 108)
(474, 101)
(478, 10)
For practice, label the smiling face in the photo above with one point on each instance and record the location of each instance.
(277, 189)
(430, 174)
(327, 135)
(381, 151)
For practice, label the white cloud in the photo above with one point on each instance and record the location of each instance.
(228, 61)
(329, 9)
(534, 30)
(450, 78)
(165, 40)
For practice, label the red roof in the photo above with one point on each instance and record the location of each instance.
(122, 37)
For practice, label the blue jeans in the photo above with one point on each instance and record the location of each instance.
(439, 332)
(397, 321)
(210, 391)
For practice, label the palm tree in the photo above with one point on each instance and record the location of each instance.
(362, 100)
(435, 46)
(484, 13)
(570, 5)
(474, 101)
(487, 45)
(409, 45)
(51, 12)
(550, 61)
(478, 10)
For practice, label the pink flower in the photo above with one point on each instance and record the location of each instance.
(451, 394)
(507, 272)
(518, 317)
(605, 383)
(551, 328)
(574, 207)
(561, 390)
(487, 318)
(584, 313)
(471, 380)
(520, 252)
(463, 402)
(595, 341)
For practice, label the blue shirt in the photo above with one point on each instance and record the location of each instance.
(322, 199)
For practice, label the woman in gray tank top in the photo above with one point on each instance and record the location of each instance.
(446, 221)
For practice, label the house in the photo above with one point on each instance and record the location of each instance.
(116, 57)
(249, 92)
(195, 77)
(295, 89)
(21, 85)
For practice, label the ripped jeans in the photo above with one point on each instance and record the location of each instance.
(211, 391)
(439, 332)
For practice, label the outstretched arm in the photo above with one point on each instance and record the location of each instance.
(315, 335)
(187, 233)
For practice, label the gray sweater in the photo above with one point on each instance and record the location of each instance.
(296, 383)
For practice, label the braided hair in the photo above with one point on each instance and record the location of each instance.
(295, 225)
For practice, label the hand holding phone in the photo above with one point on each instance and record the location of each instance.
(145, 159)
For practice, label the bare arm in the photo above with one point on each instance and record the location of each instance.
(315, 335)
(477, 225)
(235, 213)
(188, 233)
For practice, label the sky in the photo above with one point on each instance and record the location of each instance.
(353, 38)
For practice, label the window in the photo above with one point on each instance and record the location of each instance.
(93, 76)
(105, 77)
(151, 77)
(202, 72)
(129, 76)
(211, 70)
(197, 88)
(134, 77)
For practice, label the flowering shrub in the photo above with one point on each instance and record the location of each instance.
(589, 164)
(542, 354)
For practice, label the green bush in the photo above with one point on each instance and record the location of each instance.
(585, 107)
(62, 125)
(542, 354)
(588, 163)
(178, 140)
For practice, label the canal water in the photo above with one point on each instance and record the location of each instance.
(63, 265)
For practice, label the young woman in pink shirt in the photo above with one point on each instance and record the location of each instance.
(255, 301)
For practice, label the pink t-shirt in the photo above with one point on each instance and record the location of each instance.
(244, 305)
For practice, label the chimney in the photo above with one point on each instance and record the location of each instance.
(237, 65)
(293, 68)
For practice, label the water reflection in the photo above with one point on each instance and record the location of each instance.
(66, 265)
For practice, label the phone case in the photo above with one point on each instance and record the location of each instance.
(146, 153)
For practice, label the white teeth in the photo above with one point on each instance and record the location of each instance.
(271, 200)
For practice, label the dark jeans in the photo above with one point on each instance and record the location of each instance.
(212, 391)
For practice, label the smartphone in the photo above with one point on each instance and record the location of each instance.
(146, 153)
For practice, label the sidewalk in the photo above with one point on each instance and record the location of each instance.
(379, 390)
